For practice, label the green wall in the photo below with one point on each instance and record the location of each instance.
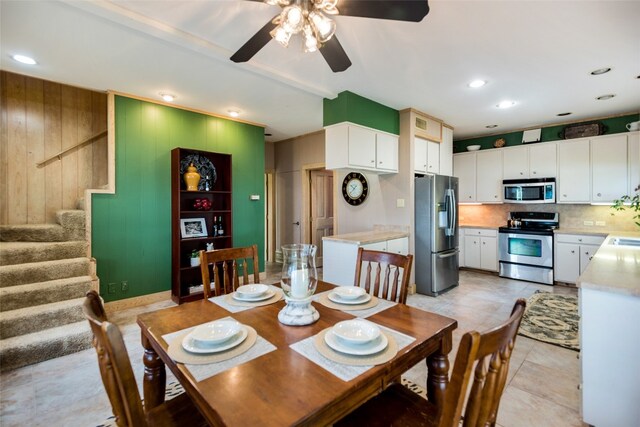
(349, 107)
(549, 133)
(131, 230)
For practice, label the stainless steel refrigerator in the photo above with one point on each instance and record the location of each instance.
(436, 248)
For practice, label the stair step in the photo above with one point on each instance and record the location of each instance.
(73, 222)
(26, 252)
(33, 294)
(22, 274)
(37, 318)
(37, 347)
(33, 233)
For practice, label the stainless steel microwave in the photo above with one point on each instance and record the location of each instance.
(535, 190)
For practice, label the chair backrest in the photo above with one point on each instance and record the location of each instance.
(485, 357)
(390, 284)
(226, 266)
(115, 367)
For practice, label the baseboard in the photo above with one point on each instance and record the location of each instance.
(124, 304)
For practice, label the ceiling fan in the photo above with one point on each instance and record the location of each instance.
(311, 19)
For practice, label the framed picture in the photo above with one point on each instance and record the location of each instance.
(193, 227)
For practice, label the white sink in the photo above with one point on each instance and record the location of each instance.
(625, 241)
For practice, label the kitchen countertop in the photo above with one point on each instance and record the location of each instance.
(366, 237)
(614, 268)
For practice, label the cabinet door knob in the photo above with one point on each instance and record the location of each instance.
(573, 252)
(484, 243)
(373, 161)
(469, 196)
(534, 172)
(521, 173)
(599, 194)
(564, 195)
(579, 240)
(495, 196)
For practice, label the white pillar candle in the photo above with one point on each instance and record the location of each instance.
(299, 283)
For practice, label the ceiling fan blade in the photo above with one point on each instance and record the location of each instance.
(335, 55)
(397, 10)
(254, 44)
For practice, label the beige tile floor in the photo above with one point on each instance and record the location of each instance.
(541, 391)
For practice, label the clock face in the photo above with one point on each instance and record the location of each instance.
(355, 188)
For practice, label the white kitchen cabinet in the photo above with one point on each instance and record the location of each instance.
(461, 260)
(341, 252)
(535, 161)
(573, 253)
(426, 156)
(481, 249)
(634, 162)
(446, 152)
(609, 168)
(464, 167)
(574, 174)
(348, 145)
(489, 176)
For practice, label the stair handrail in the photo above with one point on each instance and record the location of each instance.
(61, 153)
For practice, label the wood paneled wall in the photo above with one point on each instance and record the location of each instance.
(39, 119)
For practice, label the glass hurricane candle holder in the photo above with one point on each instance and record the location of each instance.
(299, 281)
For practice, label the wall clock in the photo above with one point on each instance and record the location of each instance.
(355, 188)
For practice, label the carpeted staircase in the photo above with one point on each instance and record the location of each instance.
(44, 274)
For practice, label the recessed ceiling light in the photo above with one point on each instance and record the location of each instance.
(506, 104)
(477, 83)
(563, 114)
(600, 71)
(24, 59)
(491, 126)
(604, 97)
(167, 97)
(234, 113)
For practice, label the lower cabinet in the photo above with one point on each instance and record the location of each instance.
(339, 257)
(480, 249)
(572, 255)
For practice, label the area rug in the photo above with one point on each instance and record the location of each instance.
(552, 318)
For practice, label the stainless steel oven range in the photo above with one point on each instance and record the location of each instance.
(525, 246)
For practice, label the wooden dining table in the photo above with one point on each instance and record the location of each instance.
(283, 387)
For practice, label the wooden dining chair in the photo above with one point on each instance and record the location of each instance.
(482, 360)
(391, 274)
(120, 383)
(227, 266)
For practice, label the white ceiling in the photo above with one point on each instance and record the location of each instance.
(538, 53)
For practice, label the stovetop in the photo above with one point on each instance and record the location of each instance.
(533, 222)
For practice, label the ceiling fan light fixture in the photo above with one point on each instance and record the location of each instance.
(292, 19)
(324, 27)
(310, 40)
(278, 2)
(281, 35)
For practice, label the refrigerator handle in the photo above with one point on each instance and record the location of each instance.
(454, 217)
(450, 206)
(455, 252)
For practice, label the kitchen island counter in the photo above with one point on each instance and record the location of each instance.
(366, 237)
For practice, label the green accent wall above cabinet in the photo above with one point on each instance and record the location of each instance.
(349, 107)
(131, 229)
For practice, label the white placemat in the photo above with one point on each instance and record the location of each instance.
(344, 372)
(223, 302)
(382, 305)
(202, 372)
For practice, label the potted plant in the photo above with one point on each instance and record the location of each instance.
(633, 202)
(195, 258)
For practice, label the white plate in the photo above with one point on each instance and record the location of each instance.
(356, 332)
(375, 346)
(349, 292)
(251, 291)
(192, 347)
(336, 298)
(262, 297)
(213, 333)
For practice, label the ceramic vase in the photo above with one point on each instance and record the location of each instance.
(191, 178)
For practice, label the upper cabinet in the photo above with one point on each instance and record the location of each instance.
(573, 184)
(609, 168)
(427, 156)
(348, 145)
(446, 151)
(489, 176)
(464, 167)
(536, 161)
(427, 128)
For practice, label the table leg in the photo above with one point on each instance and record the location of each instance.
(438, 371)
(155, 376)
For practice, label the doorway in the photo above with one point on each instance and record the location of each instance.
(318, 202)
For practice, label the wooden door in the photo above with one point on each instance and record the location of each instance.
(321, 182)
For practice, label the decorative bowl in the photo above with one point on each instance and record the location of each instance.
(213, 333)
(349, 292)
(356, 331)
(473, 147)
(250, 291)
